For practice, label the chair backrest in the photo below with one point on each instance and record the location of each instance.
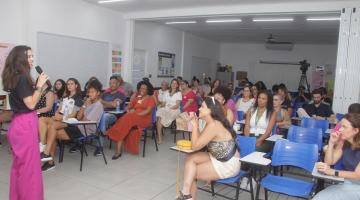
(296, 106)
(305, 135)
(246, 145)
(339, 116)
(55, 106)
(240, 115)
(153, 115)
(274, 130)
(295, 154)
(101, 125)
(315, 123)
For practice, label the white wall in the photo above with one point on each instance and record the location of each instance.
(154, 37)
(12, 21)
(195, 46)
(245, 57)
(21, 20)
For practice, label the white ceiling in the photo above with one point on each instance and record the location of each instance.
(146, 5)
(298, 31)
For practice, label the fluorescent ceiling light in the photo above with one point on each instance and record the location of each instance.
(182, 22)
(323, 18)
(223, 20)
(273, 19)
(111, 1)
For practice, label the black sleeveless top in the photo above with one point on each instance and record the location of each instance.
(42, 104)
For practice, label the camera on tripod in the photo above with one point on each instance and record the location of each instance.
(304, 66)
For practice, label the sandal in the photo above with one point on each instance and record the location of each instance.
(116, 156)
(184, 197)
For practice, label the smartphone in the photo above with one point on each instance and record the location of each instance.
(337, 127)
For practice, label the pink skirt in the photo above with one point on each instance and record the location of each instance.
(25, 177)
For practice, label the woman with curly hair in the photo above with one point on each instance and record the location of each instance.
(139, 113)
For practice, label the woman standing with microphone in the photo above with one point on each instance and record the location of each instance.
(25, 177)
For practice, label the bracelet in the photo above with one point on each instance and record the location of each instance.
(336, 173)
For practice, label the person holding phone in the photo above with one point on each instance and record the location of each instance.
(25, 177)
(343, 144)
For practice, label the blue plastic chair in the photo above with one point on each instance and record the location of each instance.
(339, 116)
(240, 115)
(291, 154)
(246, 145)
(315, 123)
(306, 135)
(83, 140)
(152, 128)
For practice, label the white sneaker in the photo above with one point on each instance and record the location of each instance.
(42, 147)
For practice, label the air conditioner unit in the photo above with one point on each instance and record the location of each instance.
(280, 46)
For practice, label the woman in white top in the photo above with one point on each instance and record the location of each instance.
(260, 121)
(246, 102)
(169, 108)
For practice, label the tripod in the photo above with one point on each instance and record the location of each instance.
(304, 82)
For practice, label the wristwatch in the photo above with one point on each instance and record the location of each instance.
(336, 173)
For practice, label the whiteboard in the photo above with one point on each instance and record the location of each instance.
(70, 57)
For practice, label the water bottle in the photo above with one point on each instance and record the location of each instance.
(117, 105)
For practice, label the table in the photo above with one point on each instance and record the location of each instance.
(256, 158)
(175, 148)
(328, 131)
(318, 175)
(274, 138)
(240, 122)
(73, 121)
(116, 112)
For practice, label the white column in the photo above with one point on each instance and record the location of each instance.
(347, 79)
(126, 71)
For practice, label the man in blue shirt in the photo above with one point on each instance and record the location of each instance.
(109, 100)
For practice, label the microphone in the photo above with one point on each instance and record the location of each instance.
(38, 69)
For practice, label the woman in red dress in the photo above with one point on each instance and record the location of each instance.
(138, 116)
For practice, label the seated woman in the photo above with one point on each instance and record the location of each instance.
(91, 110)
(286, 103)
(169, 108)
(246, 102)
(44, 109)
(189, 104)
(260, 120)
(139, 113)
(343, 144)
(59, 89)
(222, 94)
(222, 160)
(283, 121)
(69, 106)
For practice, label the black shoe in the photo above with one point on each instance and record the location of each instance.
(183, 197)
(47, 166)
(74, 149)
(44, 157)
(116, 156)
(98, 151)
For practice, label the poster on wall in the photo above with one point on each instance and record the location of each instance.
(5, 49)
(116, 56)
(166, 66)
(318, 77)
